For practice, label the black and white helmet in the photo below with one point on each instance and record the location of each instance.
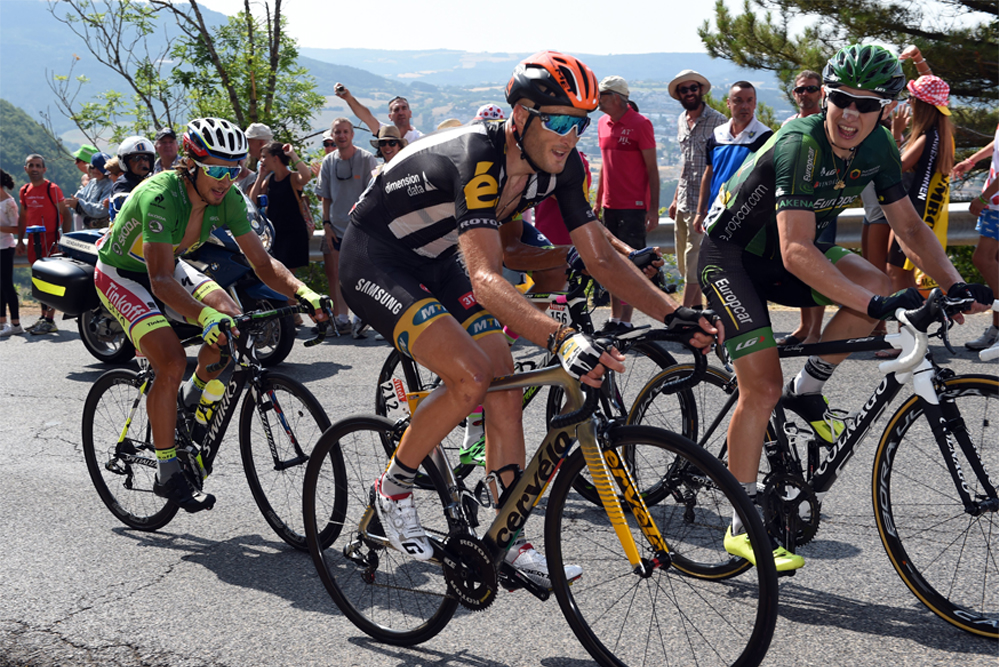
(134, 146)
(215, 137)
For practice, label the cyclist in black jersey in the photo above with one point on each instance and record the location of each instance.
(402, 272)
(760, 246)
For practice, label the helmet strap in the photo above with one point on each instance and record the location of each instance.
(192, 175)
(520, 143)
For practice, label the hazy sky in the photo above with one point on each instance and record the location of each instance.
(574, 26)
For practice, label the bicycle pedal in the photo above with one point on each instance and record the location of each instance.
(787, 573)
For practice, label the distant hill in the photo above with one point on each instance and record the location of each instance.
(439, 83)
(20, 136)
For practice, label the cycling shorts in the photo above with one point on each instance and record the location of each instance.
(739, 284)
(129, 297)
(400, 294)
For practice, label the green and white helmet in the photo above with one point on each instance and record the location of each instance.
(867, 67)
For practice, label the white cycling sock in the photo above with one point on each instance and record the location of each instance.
(751, 489)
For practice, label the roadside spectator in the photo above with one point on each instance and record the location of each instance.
(165, 145)
(694, 127)
(91, 201)
(729, 145)
(135, 157)
(929, 154)
(985, 206)
(808, 94)
(42, 203)
(8, 227)
(628, 186)
(82, 158)
(399, 114)
(344, 175)
(258, 135)
(282, 177)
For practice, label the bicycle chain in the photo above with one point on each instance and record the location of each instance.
(471, 578)
(782, 499)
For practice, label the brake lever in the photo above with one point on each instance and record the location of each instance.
(225, 353)
(321, 329)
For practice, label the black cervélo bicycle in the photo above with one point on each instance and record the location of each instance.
(645, 356)
(657, 587)
(934, 490)
(280, 421)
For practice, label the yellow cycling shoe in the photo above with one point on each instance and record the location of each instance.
(784, 560)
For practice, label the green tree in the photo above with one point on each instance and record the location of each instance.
(958, 38)
(20, 136)
(176, 66)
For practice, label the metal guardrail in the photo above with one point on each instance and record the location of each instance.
(961, 231)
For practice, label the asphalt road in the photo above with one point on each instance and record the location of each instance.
(218, 588)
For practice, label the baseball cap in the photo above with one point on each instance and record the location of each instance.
(613, 84)
(259, 131)
(99, 160)
(165, 132)
(85, 152)
(932, 90)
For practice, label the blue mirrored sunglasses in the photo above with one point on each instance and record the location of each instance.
(218, 171)
(559, 123)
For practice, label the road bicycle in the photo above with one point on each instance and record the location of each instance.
(657, 585)
(645, 356)
(934, 490)
(279, 422)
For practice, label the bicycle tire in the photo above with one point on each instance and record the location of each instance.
(391, 406)
(291, 410)
(105, 412)
(394, 598)
(670, 616)
(945, 556)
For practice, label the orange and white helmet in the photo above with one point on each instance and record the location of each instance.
(550, 78)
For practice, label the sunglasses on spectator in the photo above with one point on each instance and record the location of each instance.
(805, 89)
(559, 123)
(684, 90)
(392, 143)
(843, 100)
(328, 143)
(218, 172)
(350, 170)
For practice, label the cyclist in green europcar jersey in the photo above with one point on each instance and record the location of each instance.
(760, 246)
(139, 258)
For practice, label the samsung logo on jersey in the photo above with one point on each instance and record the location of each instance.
(412, 179)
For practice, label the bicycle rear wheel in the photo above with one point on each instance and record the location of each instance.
(387, 594)
(681, 613)
(278, 430)
(123, 466)
(945, 554)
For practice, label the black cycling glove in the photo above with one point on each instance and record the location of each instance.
(684, 318)
(971, 292)
(884, 307)
(575, 261)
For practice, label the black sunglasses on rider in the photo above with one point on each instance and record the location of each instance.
(805, 89)
(863, 104)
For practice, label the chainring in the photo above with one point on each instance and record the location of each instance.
(471, 578)
(786, 498)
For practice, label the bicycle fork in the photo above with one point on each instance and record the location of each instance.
(602, 467)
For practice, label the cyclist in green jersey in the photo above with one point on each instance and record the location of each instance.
(760, 246)
(141, 274)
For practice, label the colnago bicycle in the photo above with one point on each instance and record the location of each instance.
(934, 490)
(401, 375)
(280, 421)
(657, 586)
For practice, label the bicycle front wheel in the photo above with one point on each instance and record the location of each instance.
(945, 552)
(680, 613)
(278, 429)
(387, 594)
(122, 461)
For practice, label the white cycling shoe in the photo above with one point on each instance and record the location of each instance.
(401, 524)
(526, 560)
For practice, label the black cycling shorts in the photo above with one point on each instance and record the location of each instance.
(739, 284)
(401, 293)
